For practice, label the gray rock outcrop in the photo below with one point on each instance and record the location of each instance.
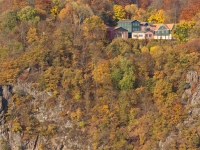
(16, 140)
(193, 100)
(192, 78)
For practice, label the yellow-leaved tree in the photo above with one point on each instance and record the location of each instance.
(32, 35)
(157, 17)
(93, 27)
(101, 73)
(119, 12)
(133, 12)
(181, 31)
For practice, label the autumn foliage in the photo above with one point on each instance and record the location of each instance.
(123, 94)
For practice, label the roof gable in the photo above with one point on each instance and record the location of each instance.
(170, 26)
(148, 32)
(162, 27)
(120, 28)
(109, 28)
(136, 21)
(129, 21)
(144, 23)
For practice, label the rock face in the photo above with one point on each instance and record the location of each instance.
(192, 78)
(10, 140)
(193, 100)
(3, 107)
(196, 96)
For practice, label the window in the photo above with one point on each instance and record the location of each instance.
(140, 35)
(118, 34)
(150, 35)
(135, 35)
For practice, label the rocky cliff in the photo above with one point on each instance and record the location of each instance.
(190, 125)
(37, 122)
(53, 130)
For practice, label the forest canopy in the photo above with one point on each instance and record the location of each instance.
(125, 92)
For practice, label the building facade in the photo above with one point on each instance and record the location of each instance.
(130, 25)
(163, 31)
(120, 32)
(140, 30)
(138, 35)
(116, 32)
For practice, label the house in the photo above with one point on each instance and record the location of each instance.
(110, 32)
(149, 34)
(143, 35)
(120, 32)
(138, 35)
(114, 32)
(149, 29)
(130, 25)
(163, 31)
(140, 30)
(146, 32)
(147, 26)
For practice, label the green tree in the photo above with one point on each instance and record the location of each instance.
(181, 31)
(119, 46)
(8, 20)
(4, 145)
(27, 13)
(123, 73)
